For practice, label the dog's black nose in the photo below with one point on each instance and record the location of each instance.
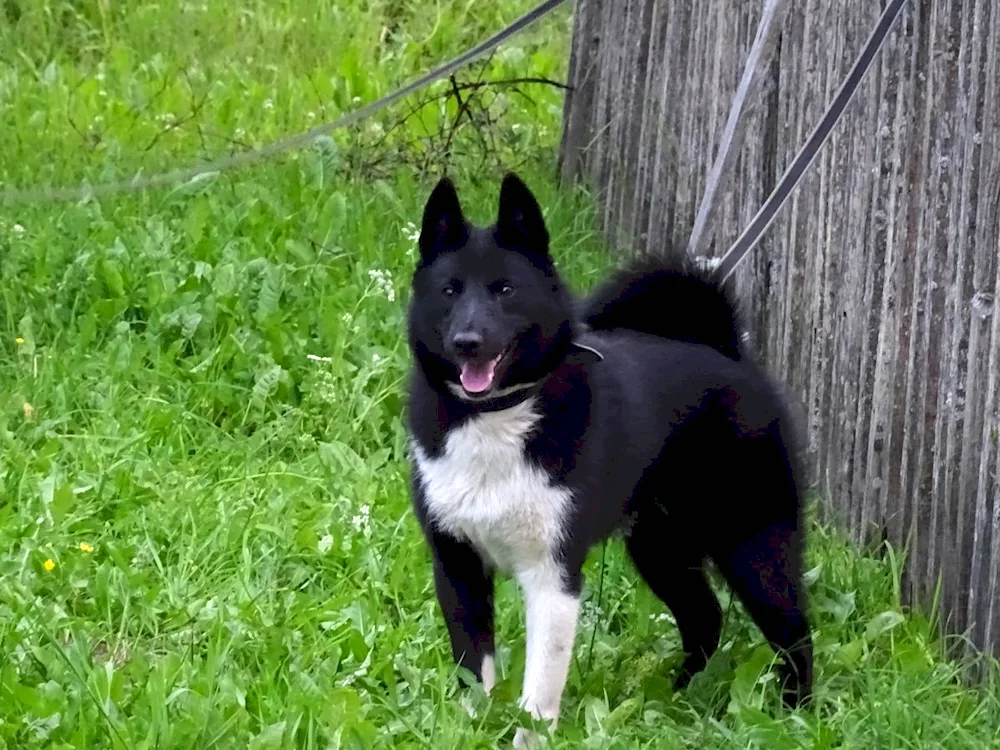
(467, 344)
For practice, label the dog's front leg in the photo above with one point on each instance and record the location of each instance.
(465, 593)
(552, 613)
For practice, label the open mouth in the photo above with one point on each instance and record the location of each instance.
(478, 377)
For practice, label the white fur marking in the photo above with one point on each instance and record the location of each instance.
(482, 488)
(525, 738)
(551, 620)
(489, 673)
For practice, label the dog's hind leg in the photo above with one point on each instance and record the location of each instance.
(765, 573)
(673, 569)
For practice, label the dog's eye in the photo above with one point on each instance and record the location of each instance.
(503, 289)
(450, 289)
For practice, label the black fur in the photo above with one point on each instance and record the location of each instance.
(650, 297)
(673, 438)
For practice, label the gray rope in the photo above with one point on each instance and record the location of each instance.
(768, 31)
(804, 159)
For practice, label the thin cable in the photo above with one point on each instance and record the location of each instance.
(246, 158)
(761, 52)
(804, 159)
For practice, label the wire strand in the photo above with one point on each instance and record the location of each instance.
(253, 156)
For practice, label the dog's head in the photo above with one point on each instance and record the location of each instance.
(488, 311)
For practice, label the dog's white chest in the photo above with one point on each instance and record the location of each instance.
(482, 488)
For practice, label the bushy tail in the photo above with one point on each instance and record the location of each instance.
(651, 296)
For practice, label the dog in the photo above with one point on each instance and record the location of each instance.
(541, 424)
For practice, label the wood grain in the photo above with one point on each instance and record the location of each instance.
(873, 296)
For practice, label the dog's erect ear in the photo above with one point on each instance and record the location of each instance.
(443, 225)
(519, 222)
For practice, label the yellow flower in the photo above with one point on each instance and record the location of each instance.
(49, 564)
(84, 547)
(18, 341)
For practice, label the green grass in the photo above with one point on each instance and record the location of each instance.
(233, 559)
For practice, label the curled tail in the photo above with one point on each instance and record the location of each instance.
(651, 296)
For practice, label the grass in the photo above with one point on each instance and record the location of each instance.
(205, 535)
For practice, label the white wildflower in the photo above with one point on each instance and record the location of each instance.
(268, 104)
(411, 232)
(383, 282)
(18, 230)
(347, 318)
(239, 133)
(356, 100)
(321, 389)
(311, 115)
(376, 359)
(325, 544)
(317, 358)
(362, 521)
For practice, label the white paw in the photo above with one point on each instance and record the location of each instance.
(467, 701)
(527, 739)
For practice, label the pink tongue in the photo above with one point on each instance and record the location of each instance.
(478, 377)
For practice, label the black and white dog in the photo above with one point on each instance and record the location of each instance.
(541, 425)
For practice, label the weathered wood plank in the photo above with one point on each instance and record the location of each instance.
(873, 297)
